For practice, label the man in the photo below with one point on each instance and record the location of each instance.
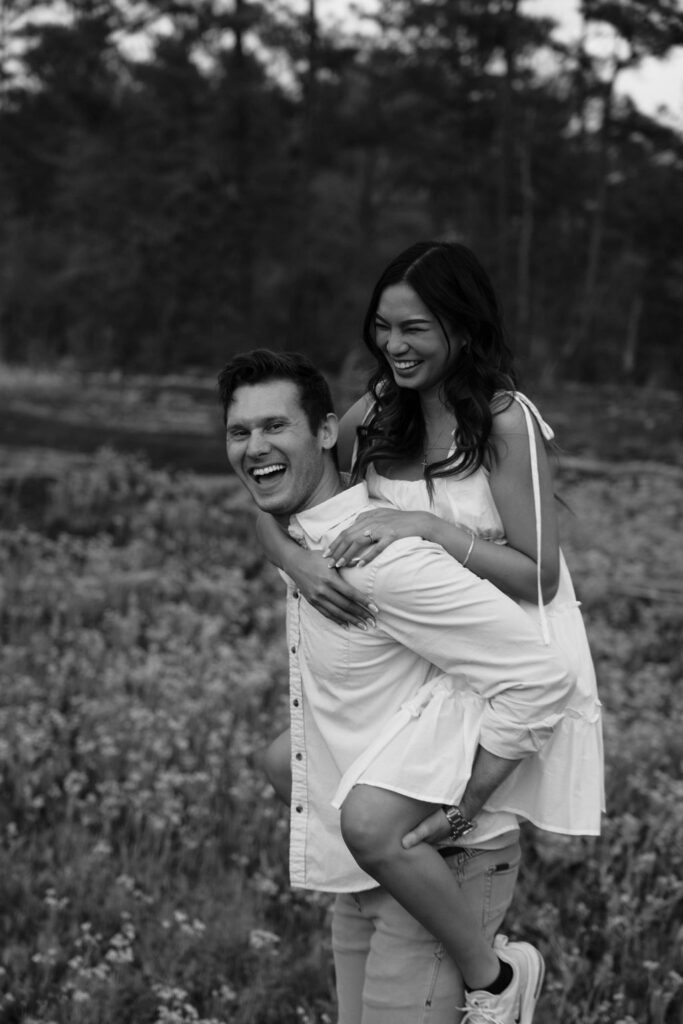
(346, 685)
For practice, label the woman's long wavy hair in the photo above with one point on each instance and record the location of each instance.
(456, 289)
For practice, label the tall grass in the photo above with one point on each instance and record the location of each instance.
(143, 860)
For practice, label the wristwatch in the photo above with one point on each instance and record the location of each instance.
(458, 823)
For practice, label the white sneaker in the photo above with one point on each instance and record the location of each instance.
(515, 1004)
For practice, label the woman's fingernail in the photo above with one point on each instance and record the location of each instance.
(326, 553)
(360, 564)
(361, 624)
(373, 608)
(340, 563)
(371, 623)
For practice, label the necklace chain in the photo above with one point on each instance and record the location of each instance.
(438, 447)
(434, 448)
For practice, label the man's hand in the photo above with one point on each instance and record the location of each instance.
(488, 772)
(432, 830)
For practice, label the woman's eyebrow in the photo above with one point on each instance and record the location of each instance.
(408, 320)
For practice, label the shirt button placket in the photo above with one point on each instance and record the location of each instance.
(299, 778)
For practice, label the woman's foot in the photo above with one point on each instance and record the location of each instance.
(516, 1003)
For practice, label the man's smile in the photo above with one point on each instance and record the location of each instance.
(273, 471)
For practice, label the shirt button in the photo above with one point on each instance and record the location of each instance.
(295, 702)
(299, 808)
(298, 756)
(293, 650)
(295, 594)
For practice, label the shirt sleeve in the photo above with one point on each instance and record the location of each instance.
(472, 631)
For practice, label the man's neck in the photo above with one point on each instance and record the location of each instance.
(329, 486)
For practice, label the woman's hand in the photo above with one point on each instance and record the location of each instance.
(374, 531)
(322, 586)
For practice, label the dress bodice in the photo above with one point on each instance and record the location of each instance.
(464, 501)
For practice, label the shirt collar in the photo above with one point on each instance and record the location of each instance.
(330, 517)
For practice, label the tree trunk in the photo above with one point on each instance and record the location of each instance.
(630, 349)
(244, 233)
(523, 318)
(505, 134)
(580, 334)
(302, 301)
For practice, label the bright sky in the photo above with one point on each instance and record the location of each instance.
(656, 87)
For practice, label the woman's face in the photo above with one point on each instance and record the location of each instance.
(412, 339)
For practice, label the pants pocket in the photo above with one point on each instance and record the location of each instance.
(499, 889)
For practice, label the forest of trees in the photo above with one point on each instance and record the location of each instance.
(180, 179)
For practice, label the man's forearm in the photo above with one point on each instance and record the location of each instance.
(488, 773)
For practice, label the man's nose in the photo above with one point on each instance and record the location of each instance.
(258, 444)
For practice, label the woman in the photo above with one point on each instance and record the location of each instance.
(443, 436)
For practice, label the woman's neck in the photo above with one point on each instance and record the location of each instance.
(435, 412)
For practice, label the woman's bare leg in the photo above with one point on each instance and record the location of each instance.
(275, 761)
(373, 821)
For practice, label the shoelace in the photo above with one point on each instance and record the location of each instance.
(479, 1015)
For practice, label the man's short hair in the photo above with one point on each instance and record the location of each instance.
(262, 366)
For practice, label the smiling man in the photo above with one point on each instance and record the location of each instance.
(274, 444)
(444, 640)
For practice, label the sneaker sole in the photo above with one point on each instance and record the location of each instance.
(529, 1003)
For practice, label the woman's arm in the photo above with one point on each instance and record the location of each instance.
(511, 485)
(319, 583)
(511, 567)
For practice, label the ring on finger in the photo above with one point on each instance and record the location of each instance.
(368, 534)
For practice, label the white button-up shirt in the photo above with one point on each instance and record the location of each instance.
(346, 684)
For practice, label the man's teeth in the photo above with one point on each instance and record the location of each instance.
(267, 470)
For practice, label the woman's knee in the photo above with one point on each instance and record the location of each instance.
(368, 827)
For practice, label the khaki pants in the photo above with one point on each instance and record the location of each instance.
(389, 969)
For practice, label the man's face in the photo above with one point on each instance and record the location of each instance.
(272, 450)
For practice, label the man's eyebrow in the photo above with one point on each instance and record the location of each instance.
(262, 421)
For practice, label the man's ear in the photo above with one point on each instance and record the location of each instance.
(329, 431)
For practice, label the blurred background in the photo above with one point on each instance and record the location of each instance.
(182, 179)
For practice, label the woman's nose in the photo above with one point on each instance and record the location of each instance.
(395, 341)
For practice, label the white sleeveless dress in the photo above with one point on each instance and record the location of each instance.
(560, 788)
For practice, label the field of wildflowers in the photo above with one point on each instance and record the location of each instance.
(143, 867)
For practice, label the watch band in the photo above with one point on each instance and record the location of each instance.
(459, 825)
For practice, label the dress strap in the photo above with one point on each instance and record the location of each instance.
(366, 419)
(546, 430)
(528, 408)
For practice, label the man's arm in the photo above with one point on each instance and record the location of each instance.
(488, 772)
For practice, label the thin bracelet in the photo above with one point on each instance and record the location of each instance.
(469, 552)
